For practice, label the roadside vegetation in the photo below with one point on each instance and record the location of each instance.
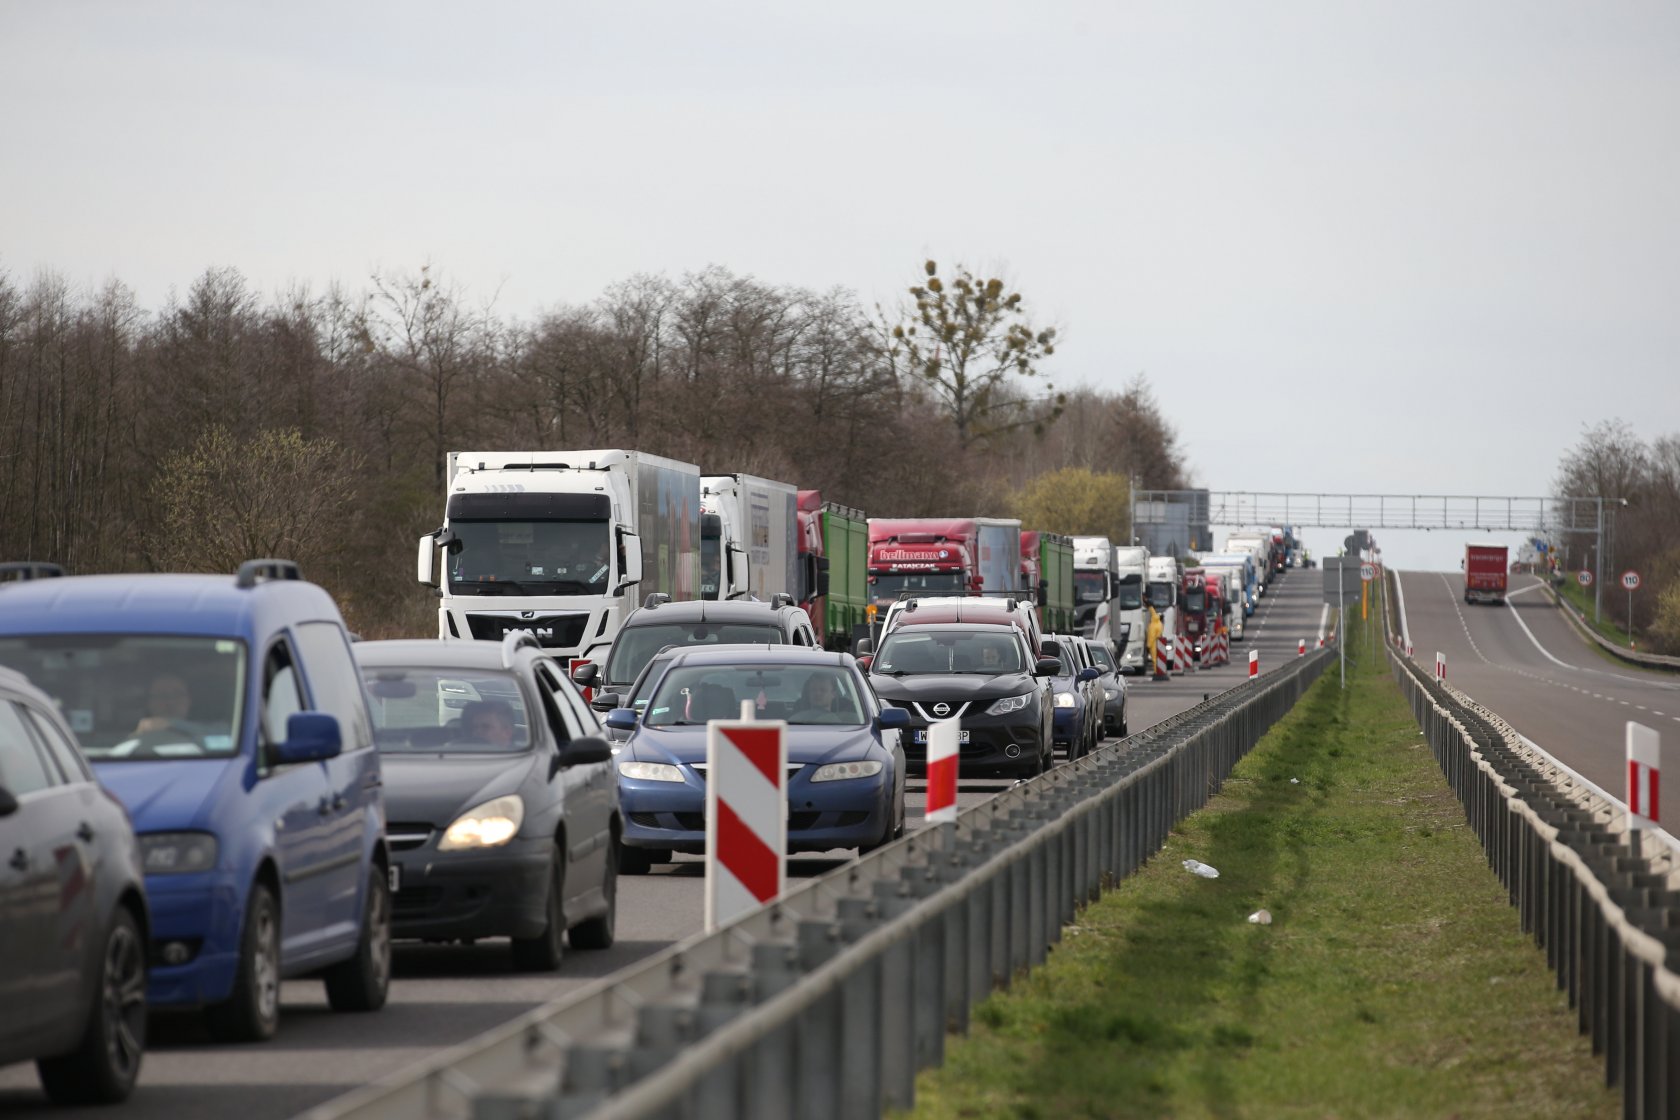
(1393, 979)
(314, 423)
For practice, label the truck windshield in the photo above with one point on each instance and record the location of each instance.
(1195, 601)
(636, 645)
(132, 697)
(887, 587)
(529, 558)
(711, 566)
(1131, 592)
(1160, 595)
(1091, 587)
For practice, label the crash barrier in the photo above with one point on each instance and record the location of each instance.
(1608, 916)
(1631, 656)
(825, 1004)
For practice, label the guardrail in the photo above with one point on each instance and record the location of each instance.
(826, 1003)
(1631, 656)
(1608, 916)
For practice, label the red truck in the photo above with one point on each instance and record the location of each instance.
(1202, 609)
(942, 556)
(1485, 568)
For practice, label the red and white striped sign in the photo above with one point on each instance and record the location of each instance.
(1301, 647)
(746, 816)
(942, 761)
(1184, 656)
(1163, 657)
(1440, 666)
(1644, 756)
(1253, 663)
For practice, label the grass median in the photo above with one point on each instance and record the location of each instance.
(1393, 979)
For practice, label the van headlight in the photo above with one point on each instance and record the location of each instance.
(489, 825)
(177, 853)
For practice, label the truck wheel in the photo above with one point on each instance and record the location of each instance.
(252, 1012)
(362, 982)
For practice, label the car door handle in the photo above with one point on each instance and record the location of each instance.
(85, 833)
(20, 860)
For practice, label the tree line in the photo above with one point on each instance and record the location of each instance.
(313, 424)
(1639, 482)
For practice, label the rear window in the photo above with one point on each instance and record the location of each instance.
(636, 645)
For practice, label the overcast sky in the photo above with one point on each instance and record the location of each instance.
(1401, 248)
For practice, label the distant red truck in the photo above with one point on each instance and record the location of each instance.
(1485, 568)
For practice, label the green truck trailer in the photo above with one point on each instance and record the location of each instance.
(1047, 574)
(835, 541)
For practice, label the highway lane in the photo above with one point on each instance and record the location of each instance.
(1524, 661)
(444, 995)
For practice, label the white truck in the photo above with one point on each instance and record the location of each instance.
(1093, 589)
(1131, 625)
(1161, 591)
(1232, 568)
(749, 537)
(1260, 548)
(564, 544)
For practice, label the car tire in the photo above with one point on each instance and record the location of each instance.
(634, 861)
(105, 1064)
(363, 982)
(252, 1012)
(543, 952)
(598, 932)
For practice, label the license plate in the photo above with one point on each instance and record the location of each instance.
(921, 737)
(395, 876)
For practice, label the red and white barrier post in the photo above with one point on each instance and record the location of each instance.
(1253, 663)
(746, 816)
(1301, 647)
(1644, 766)
(1164, 658)
(942, 761)
(1440, 666)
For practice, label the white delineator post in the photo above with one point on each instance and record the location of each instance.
(746, 816)
(942, 762)
(1253, 663)
(1644, 760)
(1301, 647)
(1440, 666)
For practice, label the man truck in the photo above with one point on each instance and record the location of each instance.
(1095, 584)
(1131, 575)
(564, 544)
(1485, 573)
(749, 546)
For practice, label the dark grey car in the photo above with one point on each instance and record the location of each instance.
(72, 910)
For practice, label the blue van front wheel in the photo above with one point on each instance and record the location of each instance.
(252, 1013)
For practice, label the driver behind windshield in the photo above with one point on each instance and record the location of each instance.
(168, 703)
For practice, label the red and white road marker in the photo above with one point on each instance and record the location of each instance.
(746, 816)
(1301, 647)
(942, 762)
(1440, 666)
(1644, 760)
(1253, 663)
(1164, 658)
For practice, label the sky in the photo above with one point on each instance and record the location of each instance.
(1401, 248)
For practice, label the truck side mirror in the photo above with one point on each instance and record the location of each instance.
(738, 577)
(630, 548)
(1043, 592)
(426, 567)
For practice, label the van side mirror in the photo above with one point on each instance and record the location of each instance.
(621, 719)
(310, 737)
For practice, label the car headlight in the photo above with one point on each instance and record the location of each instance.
(1009, 704)
(1111, 693)
(177, 853)
(1064, 699)
(1125, 629)
(650, 771)
(489, 825)
(839, 771)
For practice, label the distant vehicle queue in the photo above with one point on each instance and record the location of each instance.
(265, 798)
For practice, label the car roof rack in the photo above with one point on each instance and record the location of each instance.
(16, 571)
(253, 572)
(513, 641)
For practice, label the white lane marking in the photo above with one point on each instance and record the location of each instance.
(1543, 650)
(1323, 621)
(1400, 595)
(1522, 591)
(1452, 597)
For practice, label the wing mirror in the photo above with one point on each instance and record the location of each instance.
(889, 719)
(579, 752)
(310, 737)
(607, 701)
(1089, 674)
(621, 719)
(584, 675)
(1047, 667)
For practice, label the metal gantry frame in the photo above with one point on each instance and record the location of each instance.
(1557, 516)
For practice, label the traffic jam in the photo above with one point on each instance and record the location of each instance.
(209, 786)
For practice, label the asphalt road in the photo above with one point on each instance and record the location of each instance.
(442, 996)
(1526, 662)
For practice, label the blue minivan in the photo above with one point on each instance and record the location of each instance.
(227, 715)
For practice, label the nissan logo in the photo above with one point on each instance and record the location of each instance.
(942, 709)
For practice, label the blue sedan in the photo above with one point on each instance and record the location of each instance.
(846, 768)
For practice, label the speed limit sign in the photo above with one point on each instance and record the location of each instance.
(1584, 578)
(1630, 580)
(1367, 572)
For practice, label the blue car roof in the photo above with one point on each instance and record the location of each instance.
(159, 604)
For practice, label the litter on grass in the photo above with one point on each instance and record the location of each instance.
(1197, 867)
(1261, 917)
(1294, 781)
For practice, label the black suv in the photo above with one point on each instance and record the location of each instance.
(659, 623)
(983, 675)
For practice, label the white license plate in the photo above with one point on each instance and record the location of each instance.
(395, 876)
(921, 737)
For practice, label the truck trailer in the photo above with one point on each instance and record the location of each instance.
(834, 579)
(1485, 573)
(1047, 578)
(564, 544)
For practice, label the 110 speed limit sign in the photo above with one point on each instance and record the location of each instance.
(1630, 580)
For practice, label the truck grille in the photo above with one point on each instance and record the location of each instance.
(563, 631)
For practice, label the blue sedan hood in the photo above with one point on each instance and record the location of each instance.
(806, 744)
(167, 796)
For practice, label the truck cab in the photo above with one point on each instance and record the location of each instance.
(749, 537)
(1131, 619)
(1162, 592)
(942, 556)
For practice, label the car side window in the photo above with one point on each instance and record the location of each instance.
(579, 720)
(334, 681)
(281, 696)
(60, 748)
(22, 767)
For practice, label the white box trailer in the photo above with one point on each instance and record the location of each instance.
(749, 537)
(564, 544)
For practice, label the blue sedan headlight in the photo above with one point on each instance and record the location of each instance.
(839, 771)
(650, 771)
